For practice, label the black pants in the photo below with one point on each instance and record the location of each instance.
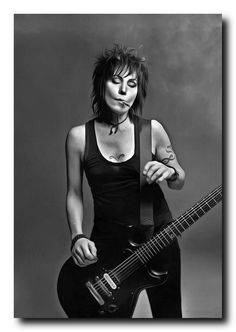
(165, 300)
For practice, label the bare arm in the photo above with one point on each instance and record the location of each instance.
(167, 166)
(84, 250)
(74, 199)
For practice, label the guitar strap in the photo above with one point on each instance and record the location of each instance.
(146, 197)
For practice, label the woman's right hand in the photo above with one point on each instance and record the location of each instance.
(84, 252)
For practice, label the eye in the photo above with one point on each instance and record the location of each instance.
(115, 80)
(132, 84)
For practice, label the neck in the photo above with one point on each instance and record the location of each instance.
(117, 118)
(115, 125)
(114, 121)
(112, 118)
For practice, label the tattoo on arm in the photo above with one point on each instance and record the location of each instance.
(171, 156)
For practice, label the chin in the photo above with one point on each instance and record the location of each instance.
(118, 110)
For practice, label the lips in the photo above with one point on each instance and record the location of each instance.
(122, 101)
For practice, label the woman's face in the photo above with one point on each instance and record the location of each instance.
(121, 91)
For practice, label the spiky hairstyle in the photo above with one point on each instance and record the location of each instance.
(117, 59)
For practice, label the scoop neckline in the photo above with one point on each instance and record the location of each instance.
(120, 162)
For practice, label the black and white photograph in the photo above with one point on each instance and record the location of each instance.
(118, 166)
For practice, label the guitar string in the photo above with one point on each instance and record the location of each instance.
(135, 259)
(144, 247)
(157, 237)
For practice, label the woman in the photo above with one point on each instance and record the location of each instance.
(106, 148)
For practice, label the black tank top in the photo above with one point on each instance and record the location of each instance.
(115, 186)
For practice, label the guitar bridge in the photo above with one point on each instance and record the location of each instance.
(95, 294)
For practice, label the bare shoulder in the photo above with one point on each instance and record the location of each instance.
(160, 138)
(156, 125)
(157, 129)
(76, 138)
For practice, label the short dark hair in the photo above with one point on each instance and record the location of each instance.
(118, 58)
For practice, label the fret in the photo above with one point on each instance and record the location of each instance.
(194, 215)
(215, 201)
(219, 197)
(212, 203)
(185, 220)
(198, 211)
(191, 220)
(158, 242)
(154, 247)
(189, 217)
(199, 205)
(171, 235)
(184, 223)
(205, 208)
(151, 249)
(153, 242)
(208, 204)
(181, 224)
(140, 258)
(163, 233)
(176, 229)
(159, 238)
(146, 251)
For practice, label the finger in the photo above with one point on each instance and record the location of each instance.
(156, 175)
(87, 254)
(79, 255)
(147, 166)
(92, 249)
(78, 261)
(163, 177)
(75, 260)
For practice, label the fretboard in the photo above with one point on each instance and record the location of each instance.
(179, 225)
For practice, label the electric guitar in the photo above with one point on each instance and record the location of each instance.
(111, 289)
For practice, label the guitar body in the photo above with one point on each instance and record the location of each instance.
(79, 302)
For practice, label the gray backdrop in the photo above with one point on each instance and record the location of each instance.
(54, 56)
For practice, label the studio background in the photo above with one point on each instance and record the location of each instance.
(54, 56)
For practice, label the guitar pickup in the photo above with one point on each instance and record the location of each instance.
(109, 281)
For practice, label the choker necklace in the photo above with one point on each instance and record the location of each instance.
(115, 126)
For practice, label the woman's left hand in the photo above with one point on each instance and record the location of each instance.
(157, 172)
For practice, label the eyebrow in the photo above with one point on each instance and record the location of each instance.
(131, 79)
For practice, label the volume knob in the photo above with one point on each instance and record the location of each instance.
(112, 308)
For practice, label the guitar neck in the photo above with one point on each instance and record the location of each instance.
(178, 226)
(163, 238)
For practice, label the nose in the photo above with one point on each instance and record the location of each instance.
(123, 89)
